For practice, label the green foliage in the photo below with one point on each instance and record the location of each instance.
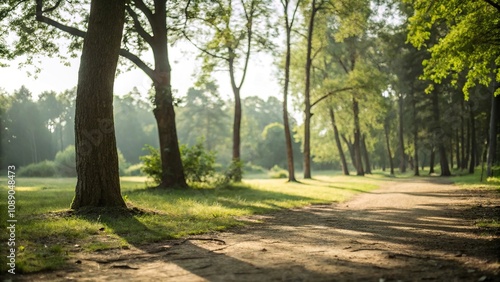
(252, 168)
(461, 37)
(151, 163)
(66, 162)
(41, 169)
(134, 170)
(278, 172)
(199, 164)
(235, 171)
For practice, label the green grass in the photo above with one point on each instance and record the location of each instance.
(47, 231)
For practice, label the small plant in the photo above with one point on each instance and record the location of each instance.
(235, 171)
(199, 164)
(278, 172)
(41, 169)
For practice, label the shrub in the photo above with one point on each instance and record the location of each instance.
(151, 163)
(65, 162)
(199, 165)
(251, 168)
(41, 169)
(278, 172)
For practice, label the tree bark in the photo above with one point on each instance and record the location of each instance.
(357, 138)
(492, 146)
(402, 163)
(457, 149)
(416, 171)
(440, 136)
(351, 150)
(286, 122)
(433, 159)
(307, 94)
(98, 183)
(386, 131)
(366, 157)
(472, 163)
(172, 169)
(345, 169)
(468, 144)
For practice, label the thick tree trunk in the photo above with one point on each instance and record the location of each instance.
(98, 183)
(472, 163)
(366, 156)
(493, 136)
(172, 169)
(402, 158)
(236, 136)
(357, 138)
(307, 94)
(345, 169)
(391, 163)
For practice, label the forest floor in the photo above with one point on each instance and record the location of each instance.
(409, 230)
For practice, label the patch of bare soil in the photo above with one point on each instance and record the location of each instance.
(405, 231)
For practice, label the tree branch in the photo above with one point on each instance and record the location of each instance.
(330, 94)
(139, 63)
(144, 9)
(41, 18)
(52, 8)
(137, 24)
(203, 50)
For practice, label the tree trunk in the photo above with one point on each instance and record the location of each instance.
(473, 148)
(238, 173)
(172, 169)
(440, 136)
(433, 159)
(386, 131)
(451, 153)
(345, 169)
(98, 183)
(307, 95)
(357, 138)
(416, 171)
(365, 156)
(286, 123)
(493, 136)
(402, 163)
(467, 148)
(457, 149)
(351, 150)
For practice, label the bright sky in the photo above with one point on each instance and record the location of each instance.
(261, 79)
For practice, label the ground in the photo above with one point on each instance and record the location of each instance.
(408, 230)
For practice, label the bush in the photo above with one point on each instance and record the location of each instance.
(199, 165)
(251, 168)
(41, 169)
(151, 163)
(65, 162)
(278, 172)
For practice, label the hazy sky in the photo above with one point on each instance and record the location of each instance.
(261, 78)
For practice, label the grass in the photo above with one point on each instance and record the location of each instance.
(47, 231)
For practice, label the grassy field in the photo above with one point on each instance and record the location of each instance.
(47, 230)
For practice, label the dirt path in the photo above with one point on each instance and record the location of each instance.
(405, 231)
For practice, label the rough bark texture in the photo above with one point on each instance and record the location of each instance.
(345, 169)
(98, 183)
(357, 138)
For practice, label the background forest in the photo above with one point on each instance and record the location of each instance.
(363, 96)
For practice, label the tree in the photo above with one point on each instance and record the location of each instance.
(143, 28)
(98, 183)
(227, 32)
(288, 25)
